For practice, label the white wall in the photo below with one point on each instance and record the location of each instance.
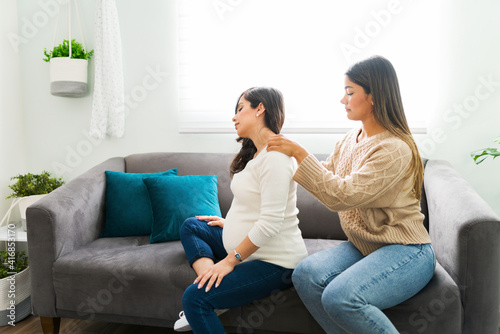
(55, 128)
(11, 130)
(468, 117)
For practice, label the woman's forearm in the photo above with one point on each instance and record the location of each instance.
(245, 249)
(300, 154)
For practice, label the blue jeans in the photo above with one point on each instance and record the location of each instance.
(248, 282)
(346, 291)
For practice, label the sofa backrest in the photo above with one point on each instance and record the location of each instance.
(312, 214)
(316, 221)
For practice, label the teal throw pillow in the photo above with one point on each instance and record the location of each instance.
(128, 209)
(176, 198)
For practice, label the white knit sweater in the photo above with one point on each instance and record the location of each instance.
(264, 209)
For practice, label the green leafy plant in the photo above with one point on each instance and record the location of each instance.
(34, 184)
(62, 50)
(12, 262)
(480, 155)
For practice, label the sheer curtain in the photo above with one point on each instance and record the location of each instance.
(303, 49)
(108, 112)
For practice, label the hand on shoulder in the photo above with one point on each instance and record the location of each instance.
(286, 146)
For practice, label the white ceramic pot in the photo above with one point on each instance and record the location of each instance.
(68, 77)
(24, 203)
(15, 301)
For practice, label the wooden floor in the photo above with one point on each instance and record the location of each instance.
(31, 325)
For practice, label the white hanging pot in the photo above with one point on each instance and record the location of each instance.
(68, 76)
(15, 304)
(24, 203)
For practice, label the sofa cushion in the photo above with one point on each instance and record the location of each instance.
(124, 277)
(128, 208)
(133, 278)
(435, 309)
(176, 198)
(188, 164)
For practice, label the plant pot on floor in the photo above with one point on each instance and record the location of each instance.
(24, 203)
(15, 297)
(68, 76)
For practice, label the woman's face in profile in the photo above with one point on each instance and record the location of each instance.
(244, 119)
(358, 104)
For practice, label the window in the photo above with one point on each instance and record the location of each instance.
(303, 48)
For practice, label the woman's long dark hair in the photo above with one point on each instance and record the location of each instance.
(274, 116)
(377, 76)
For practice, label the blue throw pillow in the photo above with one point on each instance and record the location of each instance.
(176, 198)
(128, 209)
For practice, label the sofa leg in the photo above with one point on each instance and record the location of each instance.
(50, 325)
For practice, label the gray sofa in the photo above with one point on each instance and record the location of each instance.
(76, 274)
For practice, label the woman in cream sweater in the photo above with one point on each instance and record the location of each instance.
(373, 179)
(253, 251)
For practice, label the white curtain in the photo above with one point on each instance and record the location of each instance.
(108, 112)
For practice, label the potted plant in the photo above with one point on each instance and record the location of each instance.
(480, 155)
(15, 286)
(68, 68)
(29, 188)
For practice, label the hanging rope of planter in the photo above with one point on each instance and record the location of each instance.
(69, 61)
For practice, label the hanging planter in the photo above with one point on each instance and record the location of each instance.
(68, 63)
(68, 69)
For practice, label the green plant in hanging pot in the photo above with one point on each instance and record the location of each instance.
(29, 188)
(68, 68)
(480, 155)
(62, 50)
(15, 286)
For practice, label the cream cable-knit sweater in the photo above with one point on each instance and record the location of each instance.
(365, 182)
(264, 209)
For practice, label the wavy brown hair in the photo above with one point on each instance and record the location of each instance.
(377, 77)
(274, 117)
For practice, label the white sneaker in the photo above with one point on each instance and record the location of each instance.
(182, 325)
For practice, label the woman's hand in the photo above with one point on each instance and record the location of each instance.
(212, 220)
(215, 274)
(284, 145)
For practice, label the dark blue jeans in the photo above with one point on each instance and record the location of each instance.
(248, 282)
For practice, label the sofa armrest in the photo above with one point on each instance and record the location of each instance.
(465, 235)
(67, 218)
